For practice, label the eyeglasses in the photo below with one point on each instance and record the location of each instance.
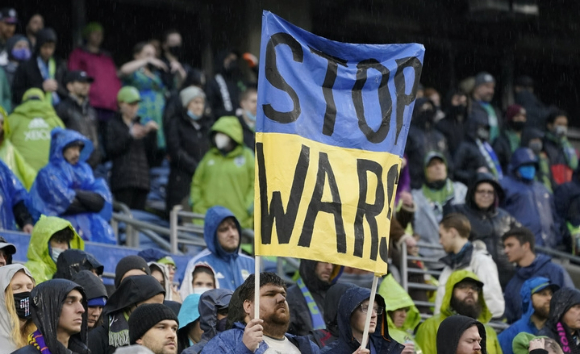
(365, 309)
(484, 192)
(171, 267)
(468, 286)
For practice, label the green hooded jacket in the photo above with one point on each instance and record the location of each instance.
(13, 159)
(29, 128)
(427, 333)
(226, 179)
(40, 262)
(396, 298)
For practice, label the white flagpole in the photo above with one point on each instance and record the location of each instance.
(370, 311)
(257, 269)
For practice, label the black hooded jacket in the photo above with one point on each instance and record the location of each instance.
(451, 330)
(453, 125)
(133, 290)
(93, 286)
(489, 225)
(468, 158)
(28, 74)
(300, 317)
(561, 302)
(233, 83)
(422, 139)
(47, 300)
(72, 261)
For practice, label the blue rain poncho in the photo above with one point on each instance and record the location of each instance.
(57, 184)
(12, 192)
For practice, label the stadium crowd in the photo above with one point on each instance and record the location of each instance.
(76, 135)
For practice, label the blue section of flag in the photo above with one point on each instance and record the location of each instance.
(306, 78)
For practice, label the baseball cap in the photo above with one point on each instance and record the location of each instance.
(483, 78)
(9, 15)
(9, 248)
(128, 94)
(545, 285)
(77, 75)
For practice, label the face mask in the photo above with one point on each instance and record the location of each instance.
(483, 134)
(426, 117)
(21, 54)
(175, 51)
(517, 126)
(560, 130)
(222, 141)
(535, 146)
(250, 115)
(55, 253)
(221, 324)
(527, 172)
(22, 305)
(200, 290)
(193, 116)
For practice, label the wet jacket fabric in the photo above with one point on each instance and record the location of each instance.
(59, 185)
(451, 330)
(186, 146)
(542, 266)
(490, 225)
(7, 272)
(226, 179)
(129, 155)
(249, 134)
(72, 261)
(231, 269)
(481, 264)
(92, 285)
(133, 290)
(188, 314)
(561, 302)
(223, 90)
(40, 262)
(422, 139)
(531, 203)
(209, 304)
(300, 313)
(13, 198)
(524, 324)
(380, 340)
(230, 342)
(46, 303)
(427, 333)
(397, 298)
(101, 67)
(29, 128)
(13, 159)
(83, 119)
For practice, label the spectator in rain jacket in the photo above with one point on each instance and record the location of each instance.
(481, 97)
(307, 297)
(536, 294)
(29, 128)
(567, 201)
(423, 139)
(163, 258)
(12, 158)
(96, 296)
(562, 155)
(520, 249)
(55, 306)
(189, 332)
(427, 332)
(563, 323)
(213, 310)
(50, 78)
(71, 262)
(51, 236)
(529, 201)
(225, 175)
(475, 153)
(350, 338)
(488, 221)
(453, 126)
(533, 139)
(67, 188)
(510, 139)
(437, 195)
(187, 136)
(525, 97)
(324, 337)
(13, 199)
(114, 332)
(223, 90)
(231, 267)
(457, 327)
(401, 313)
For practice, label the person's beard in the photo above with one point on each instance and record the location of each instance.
(275, 324)
(542, 312)
(465, 309)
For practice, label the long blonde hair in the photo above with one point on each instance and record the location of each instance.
(19, 335)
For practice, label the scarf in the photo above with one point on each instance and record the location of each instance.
(118, 330)
(566, 148)
(513, 139)
(315, 315)
(37, 340)
(492, 119)
(566, 340)
(439, 197)
(490, 158)
(48, 72)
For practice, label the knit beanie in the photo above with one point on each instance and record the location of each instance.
(188, 94)
(145, 317)
(483, 78)
(512, 111)
(128, 263)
